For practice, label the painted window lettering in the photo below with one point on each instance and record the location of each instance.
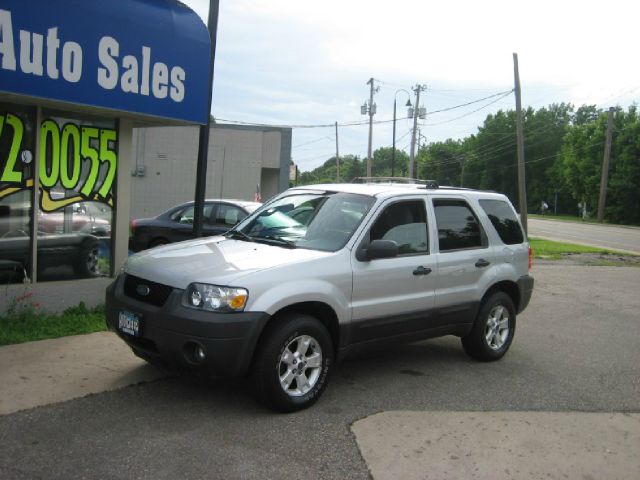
(81, 159)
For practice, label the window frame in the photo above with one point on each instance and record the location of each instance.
(484, 239)
(376, 216)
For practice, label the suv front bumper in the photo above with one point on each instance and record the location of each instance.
(170, 333)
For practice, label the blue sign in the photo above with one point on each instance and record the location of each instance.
(148, 57)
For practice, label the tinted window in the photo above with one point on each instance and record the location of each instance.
(458, 227)
(186, 214)
(406, 224)
(504, 220)
(229, 215)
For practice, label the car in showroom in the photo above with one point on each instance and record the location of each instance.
(321, 272)
(77, 250)
(85, 217)
(176, 224)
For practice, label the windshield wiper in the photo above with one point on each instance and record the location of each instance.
(238, 235)
(275, 240)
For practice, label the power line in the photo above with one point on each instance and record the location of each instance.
(366, 122)
(471, 112)
(311, 141)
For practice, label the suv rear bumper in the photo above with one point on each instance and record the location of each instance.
(170, 334)
(525, 286)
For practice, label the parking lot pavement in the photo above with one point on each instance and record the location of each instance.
(493, 445)
(576, 354)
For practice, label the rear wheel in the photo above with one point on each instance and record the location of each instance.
(293, 363)
(493, 329)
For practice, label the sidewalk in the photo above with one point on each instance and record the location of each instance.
(49, 371)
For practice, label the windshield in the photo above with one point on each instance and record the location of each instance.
(318, 221)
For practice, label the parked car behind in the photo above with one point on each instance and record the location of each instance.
(176, 224)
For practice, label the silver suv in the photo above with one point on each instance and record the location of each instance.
(324, 271)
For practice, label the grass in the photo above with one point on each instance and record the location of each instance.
(551, 250)
(565, 218)
(23, 323)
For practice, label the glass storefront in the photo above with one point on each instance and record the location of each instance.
(77, 162)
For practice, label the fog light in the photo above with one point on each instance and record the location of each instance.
(199, 354)
(194, 353)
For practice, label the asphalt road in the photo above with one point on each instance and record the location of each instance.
(576, 350)
(605, 236)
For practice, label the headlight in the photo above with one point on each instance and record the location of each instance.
(215, 298)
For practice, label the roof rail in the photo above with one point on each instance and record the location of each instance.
(432, 184)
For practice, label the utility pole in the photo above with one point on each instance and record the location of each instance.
(522, 192)
(605, 167)
(416, 113)
(370, 109)
(337, 156)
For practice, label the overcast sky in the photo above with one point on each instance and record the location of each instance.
(302, 62)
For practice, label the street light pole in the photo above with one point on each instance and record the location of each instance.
(393, 151)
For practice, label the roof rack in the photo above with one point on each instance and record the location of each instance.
(431, 184)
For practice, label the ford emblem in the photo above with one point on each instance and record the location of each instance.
(143, 290)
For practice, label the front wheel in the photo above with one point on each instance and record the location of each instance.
(293, 363)
(493, 329)
(87, 263)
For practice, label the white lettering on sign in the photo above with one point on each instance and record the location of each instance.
(6, 41)
(139, 73)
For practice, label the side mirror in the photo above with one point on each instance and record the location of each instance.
(379, 249)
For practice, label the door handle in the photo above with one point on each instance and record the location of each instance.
(482, 263)
(422, 271)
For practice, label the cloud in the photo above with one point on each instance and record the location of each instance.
(307, 62)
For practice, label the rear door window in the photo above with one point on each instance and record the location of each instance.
(504, 220)
(458, 227)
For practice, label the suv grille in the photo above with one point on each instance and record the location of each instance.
(157, 293)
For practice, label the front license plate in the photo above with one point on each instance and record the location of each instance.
(129, 323)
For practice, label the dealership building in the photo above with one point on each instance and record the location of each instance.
(242, 160)
(81, 83)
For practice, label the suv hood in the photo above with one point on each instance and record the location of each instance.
(216, 260)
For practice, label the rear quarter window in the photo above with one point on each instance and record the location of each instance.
(504, 220)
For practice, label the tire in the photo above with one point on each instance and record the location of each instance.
(493, 329)
(295, 349)
(87, 265)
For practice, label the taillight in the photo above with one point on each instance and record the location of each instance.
(132, 226)
(530, 257)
